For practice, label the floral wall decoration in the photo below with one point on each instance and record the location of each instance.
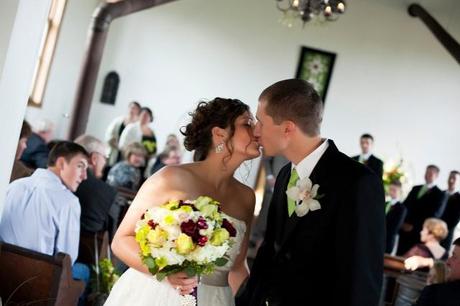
(315, 66)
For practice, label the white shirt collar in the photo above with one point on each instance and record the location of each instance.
(364, 157)
(393, 201)
(429, 186)
(305, 166)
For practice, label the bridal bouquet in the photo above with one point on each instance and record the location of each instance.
(191, 236)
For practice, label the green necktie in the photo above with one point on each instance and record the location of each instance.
(292, 181)
(387, 207)
(422, 191)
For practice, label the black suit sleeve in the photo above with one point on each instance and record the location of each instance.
(441, 204)
(395, 219)
(426, 298)
(379, 169)
(366, 248)
(409, 202)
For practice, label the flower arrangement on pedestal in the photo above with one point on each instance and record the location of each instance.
(395, 172)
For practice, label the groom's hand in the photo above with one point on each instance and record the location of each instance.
(182, 282)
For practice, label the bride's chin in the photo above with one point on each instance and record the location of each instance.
(253, 154)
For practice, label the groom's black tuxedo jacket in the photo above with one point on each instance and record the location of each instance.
(331, 256)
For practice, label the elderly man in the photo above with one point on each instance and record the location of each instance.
(96, 197)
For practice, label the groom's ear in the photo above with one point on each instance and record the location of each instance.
(218, 134)
(289, 127)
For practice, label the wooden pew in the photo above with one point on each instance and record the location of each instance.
(393, 265)
(29, 277)
(92, 247)
(401, 287)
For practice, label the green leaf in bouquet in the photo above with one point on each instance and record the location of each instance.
(209, 269)
(190, 270)
(161, 276)
(150, 263)
(168, 270)
(221, 261)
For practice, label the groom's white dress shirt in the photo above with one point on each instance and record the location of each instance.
(305, 167)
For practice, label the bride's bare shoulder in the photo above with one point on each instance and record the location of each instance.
(173, 174)
(169, 182)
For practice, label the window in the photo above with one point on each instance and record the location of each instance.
(47, 48)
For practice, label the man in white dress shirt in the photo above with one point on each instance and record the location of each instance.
(41, 212)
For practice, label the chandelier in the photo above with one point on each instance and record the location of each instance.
(307, 10)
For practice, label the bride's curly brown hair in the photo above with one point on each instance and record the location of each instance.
(219, 112)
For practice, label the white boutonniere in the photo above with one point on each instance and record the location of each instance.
(305, 194)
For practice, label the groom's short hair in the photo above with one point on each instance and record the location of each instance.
(295, 100)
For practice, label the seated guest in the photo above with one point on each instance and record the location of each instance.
(41, 213)
(19, 169)
(170, 156)
(366, 157)
(126, 173)
(96, 197)
(448, 293)
(434, 230)
(395, 214)
(422, 202)
(36, 153)
(451, 214)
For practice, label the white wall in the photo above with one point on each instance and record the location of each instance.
(7, 13)
(65, 69)
(391, 78)
(20, 60)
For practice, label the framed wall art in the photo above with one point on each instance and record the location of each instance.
(315, 66)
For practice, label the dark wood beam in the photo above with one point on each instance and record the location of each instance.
(103, 16)
(451, 45)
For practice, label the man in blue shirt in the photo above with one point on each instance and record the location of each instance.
(41, 213)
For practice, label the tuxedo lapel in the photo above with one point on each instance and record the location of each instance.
(318, 176)
(280, 206)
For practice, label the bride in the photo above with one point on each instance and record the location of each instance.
(221, 133)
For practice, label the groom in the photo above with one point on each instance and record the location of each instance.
(324, 247)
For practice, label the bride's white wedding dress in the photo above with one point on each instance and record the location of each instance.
(137, 288)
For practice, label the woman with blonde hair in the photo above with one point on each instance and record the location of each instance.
(127, 173)
(433, 232)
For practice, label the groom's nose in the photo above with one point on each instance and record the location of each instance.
(256, 130)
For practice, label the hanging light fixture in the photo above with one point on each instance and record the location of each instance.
(307, 10)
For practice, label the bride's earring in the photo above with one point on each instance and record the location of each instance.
(220, 148)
